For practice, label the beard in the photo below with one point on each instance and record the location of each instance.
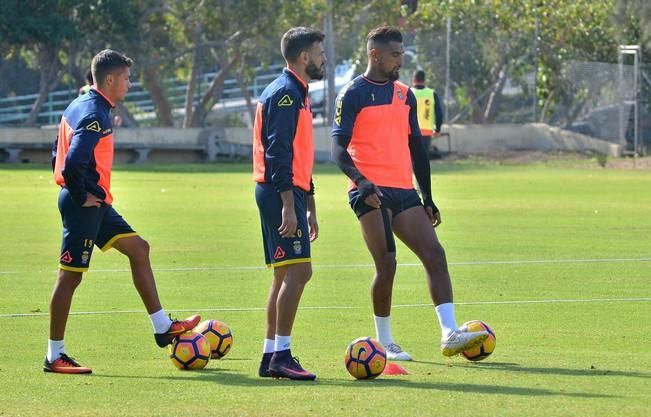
(394, 75)
(314, 72)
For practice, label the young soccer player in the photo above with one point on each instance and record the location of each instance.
(376, 142)
(83, 157)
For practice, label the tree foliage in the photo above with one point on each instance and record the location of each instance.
(491, 41)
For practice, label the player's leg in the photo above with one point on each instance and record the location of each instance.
(137, 250)
(80, 225)
(290, 258)
(376, 231)
(268, 346)
(282, 364)
(413, 227)
(378, 235)
(289, 296)
(115, 232)
(56, 359)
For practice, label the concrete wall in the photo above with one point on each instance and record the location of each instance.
(469, 139)
(482, 139)
(535, 136)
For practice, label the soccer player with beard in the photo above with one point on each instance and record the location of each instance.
(377, 143)
(283, 157)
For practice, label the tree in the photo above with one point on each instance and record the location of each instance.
(38, 29)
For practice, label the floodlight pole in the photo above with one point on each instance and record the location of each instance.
(330, 71)
(636, 52)
(447, 69)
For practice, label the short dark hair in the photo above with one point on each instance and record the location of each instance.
(89, 77)
(419, 76)
(108, 61)
(384, 34)
(297, 40)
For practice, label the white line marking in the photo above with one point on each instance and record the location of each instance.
(338, 266)
(256, 309)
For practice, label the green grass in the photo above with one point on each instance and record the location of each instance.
(552, 359)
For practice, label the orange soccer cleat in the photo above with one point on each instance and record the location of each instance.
(64, 364)
(177, 327)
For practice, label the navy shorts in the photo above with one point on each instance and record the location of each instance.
(280, 251)
(394, 199)
(86, 227)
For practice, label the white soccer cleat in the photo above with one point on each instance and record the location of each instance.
(395, 353)
(461, 340)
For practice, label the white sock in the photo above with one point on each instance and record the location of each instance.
(282, 343)
(268, 346)
(54, 349)
(160, 321)
(445, 313)
(383, 330)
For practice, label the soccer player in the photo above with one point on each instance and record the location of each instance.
(283, 156)
(83, 157)
(376, 142)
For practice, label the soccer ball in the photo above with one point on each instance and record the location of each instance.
(219, 335)
(190, 350)
(365, 358)
(484, 350)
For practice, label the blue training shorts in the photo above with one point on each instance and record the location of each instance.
(279, 251)
(86, 227)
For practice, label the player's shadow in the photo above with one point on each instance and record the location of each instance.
(514, 367)
(231, 378)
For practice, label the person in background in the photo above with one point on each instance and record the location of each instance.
(430, 114)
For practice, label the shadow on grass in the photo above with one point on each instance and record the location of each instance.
(230, 378)
(514, 367)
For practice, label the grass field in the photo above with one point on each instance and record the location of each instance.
(554, 256)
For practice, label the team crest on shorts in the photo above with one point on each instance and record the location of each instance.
(298, 248)
(84, 257)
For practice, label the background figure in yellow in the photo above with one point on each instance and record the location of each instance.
(430, 114)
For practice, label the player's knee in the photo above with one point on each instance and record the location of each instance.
(306, 273)
(386, 267)
(299, 273)
(435, 258)
(140, 249)
(69, 279)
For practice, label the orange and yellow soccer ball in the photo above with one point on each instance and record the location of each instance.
(484, 350)
(219, 335)
(190, 350)
(365, 358)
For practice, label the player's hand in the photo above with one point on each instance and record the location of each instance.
(432, 212)
(289, 223)
(369, 193)
(313, 225)
(92, 201)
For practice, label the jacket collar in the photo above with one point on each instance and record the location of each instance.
(99, 93)
(294, 75)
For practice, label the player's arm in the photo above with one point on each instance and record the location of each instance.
(438, 111)
(282, 117)
(420, 163)
(82, 145)
(311, 217)
(346, 112)
(368, 191)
